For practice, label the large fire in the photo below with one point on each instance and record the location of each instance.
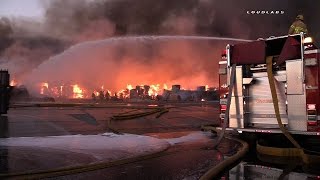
(77, 91)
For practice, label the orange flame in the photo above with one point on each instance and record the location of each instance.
(165, 86)
(129, 87)
(96, 93)
(154, 90)
(44, 86)
(13, 82)
(77, 91)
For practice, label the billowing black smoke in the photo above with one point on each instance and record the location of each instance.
(21, 49)
(202, 17)
(26, 44)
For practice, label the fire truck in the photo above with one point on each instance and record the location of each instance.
(249, 105)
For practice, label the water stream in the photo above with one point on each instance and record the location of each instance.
(115, 62)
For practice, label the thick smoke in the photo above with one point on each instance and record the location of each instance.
(29, 44)
(114, 63)
(23, 47)
(204, 17)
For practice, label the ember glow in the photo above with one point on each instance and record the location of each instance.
(13, 82)
(154, 90)
(96, 93)
(44, 87)
(165, 86)
(129, 87)
(77, 92)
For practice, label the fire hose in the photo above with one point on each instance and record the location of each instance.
(277, 111)
(216, 170)
(78, 169)
(161, 111)
(96, 166)
(298, 150)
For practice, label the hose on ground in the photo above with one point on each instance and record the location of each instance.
(78, 169)
(161, 111)
(218, 169)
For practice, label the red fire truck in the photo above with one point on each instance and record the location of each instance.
(296, 75)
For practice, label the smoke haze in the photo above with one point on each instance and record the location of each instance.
(31, 50)
(115, 63)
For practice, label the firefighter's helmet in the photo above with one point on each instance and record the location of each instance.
(300, 17)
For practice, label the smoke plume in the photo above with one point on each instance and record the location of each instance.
(32, 46)
(115, 63)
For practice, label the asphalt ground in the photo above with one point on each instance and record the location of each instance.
(55, 121)
(180, 161)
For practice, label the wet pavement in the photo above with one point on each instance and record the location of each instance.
(188, 159)
(31, 159)
(54, 121)
(185, 157)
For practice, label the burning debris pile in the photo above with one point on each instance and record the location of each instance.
(130, 93)
(99, 63)
(76, 91)
(140, 92)
(151, 62)
(202, 93)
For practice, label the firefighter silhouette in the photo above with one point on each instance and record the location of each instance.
(298, 26)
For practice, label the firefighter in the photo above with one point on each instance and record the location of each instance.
(298, 26)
